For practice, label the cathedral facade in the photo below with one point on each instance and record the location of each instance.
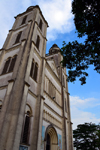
(34, 98)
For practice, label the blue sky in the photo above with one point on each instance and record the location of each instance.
(85, 100)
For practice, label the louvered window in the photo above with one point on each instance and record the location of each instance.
(26, 130)
(18, 37)
(24, 20)
(40, 24)
(12, 64)
(37, 42)
(35, 72)
(5, 69)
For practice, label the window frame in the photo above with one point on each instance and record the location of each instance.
(38, 42)
(9, 65)
(33, 71)
(18, 37)
(41, 24)
(27, 114)
(24, 20)
(6, 67)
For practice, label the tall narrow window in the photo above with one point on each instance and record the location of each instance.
(65, 106)
(26, 128)
(63, 81)
(38, 42)
(24, 20)
(6, 66)
(35, 72)
(12, 64)
(48, 142)
(40, 24)
(32, 69)
(18, 37)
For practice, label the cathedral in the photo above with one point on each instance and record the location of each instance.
(34, 98)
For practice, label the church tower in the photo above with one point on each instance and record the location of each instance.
(34, 98)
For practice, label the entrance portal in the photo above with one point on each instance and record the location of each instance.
(51, 138)
(48, 142)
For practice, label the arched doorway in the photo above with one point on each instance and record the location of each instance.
(48, 142)
(51, 138)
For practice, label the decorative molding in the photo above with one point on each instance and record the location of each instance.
(50, 118)
(53, 110)
(52, 99)
(31, 93)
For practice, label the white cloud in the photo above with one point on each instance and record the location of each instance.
(56, 12)
(79, 110)
(83, 103)
(58, 15)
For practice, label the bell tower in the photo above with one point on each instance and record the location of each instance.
(21, 73)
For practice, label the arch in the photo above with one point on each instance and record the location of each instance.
(52, 133)
(28, 110)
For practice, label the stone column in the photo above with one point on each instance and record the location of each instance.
(21, 118)
(3, 119)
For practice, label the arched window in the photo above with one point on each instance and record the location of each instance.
(24, 20)
(18, 38)
(9, 65)
(34, 70)
(26, 129)
(12, 64)
(38, 42)
(40, 24)
(6, 66)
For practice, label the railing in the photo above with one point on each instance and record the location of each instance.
(23, 147)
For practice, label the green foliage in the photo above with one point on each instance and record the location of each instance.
(78, 56)
(87, 137)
